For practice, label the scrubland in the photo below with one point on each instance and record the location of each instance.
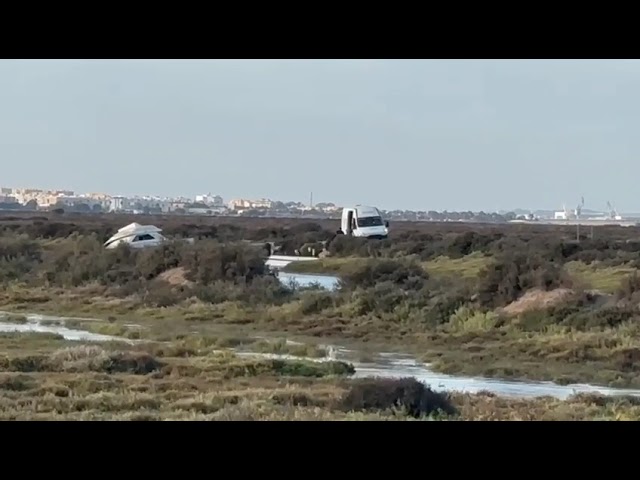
(514, 302)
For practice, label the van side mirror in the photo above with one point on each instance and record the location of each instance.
(386, 223)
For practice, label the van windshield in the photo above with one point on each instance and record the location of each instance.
(369, 222)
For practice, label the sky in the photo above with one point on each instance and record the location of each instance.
(409, 134)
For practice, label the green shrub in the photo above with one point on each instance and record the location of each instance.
(468, 320)
(405, 274)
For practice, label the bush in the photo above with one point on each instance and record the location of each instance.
(470, 242)
(129, 362)
(628, 360)
(83, 359)
(504, 280)
(443, 305)
(384, 394)
(404, 274)
(208, 261)
(467, 320)
(607, 317)
(17, 383)
(288, 368)
(312, 302)
(311, 369)
(387, 297)
(19, 256)
(215, 268)
(630, 288)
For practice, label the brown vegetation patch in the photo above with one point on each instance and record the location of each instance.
(537, 299)
(176, 277)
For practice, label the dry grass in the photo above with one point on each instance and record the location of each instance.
(102, 382)
(487, 407)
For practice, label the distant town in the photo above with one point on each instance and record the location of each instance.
(206, 204)
(34, 199)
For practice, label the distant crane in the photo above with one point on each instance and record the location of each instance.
(613, 214)
(579, 208)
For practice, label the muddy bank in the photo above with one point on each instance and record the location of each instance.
(45, 324)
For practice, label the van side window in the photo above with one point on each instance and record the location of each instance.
(141, 238)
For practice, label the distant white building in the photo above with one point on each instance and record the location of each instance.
(241, 204)
(8, 199)
(118, 204)
(210, 200)
(262, 203)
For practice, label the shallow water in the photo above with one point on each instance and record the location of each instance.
(391, 365)
(278, 262)
(329, 282)
(385, 365)
(399, 367)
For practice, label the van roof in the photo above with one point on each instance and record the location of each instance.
(367, 211)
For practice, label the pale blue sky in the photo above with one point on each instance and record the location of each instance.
(420, 134)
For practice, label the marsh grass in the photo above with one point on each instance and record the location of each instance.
(446, 326)
(51, 323)
(606, 357)
(471, 343)
(281, 346)
(96, 382)
(11, 342)
(599, 277)
(595, 276)
(328, 266)
(14, 318)
(108, 328)
(74, 383)
(430, 288)
(467, 267)
(467, 320)
(488, 407)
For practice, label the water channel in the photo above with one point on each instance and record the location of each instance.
(386, 365)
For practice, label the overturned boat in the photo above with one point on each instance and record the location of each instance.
(135, 235)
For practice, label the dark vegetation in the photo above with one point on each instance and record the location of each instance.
(407, 394)
(392, 290)
(611, 245)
